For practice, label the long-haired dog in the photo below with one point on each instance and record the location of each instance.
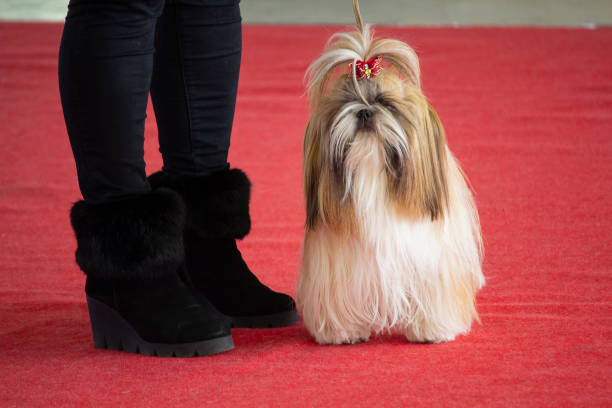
(392, 236)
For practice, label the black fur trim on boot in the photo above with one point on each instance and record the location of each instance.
(132, 252)
(217, 205)
(140, 238)
(217, 215)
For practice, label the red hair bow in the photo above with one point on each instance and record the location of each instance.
(367, 69)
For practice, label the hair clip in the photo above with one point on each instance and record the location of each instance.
(367, 69)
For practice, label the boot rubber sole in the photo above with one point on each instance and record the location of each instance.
(265, 321)
(113, 332)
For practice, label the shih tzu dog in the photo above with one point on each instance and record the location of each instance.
(392, 238)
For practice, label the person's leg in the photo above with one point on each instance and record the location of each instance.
(197, 62)
(195, 80)
(105, 67)
(129, 237)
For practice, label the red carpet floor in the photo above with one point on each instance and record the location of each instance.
(529, 114)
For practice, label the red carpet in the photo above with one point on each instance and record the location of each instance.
(529, 114)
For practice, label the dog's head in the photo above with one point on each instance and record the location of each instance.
(370, 123)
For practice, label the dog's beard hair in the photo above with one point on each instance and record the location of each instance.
(392, 235)
(350, 147)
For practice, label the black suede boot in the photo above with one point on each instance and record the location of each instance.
(132, 253)
(217, 215)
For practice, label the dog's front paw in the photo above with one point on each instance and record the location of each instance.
(418, 335)
(341, 337)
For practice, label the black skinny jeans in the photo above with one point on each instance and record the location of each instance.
(186, 53)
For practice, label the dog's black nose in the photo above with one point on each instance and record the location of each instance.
(364, 115)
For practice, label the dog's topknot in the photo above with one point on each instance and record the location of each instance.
(344, 49)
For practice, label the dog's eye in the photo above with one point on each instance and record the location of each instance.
(381, 100)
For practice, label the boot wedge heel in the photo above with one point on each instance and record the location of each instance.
(111, 331)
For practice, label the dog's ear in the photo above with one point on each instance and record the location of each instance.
(312, 172)
(438, 195)
(322, 191)
(429, 190)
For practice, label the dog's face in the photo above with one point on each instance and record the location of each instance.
(379, 130)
